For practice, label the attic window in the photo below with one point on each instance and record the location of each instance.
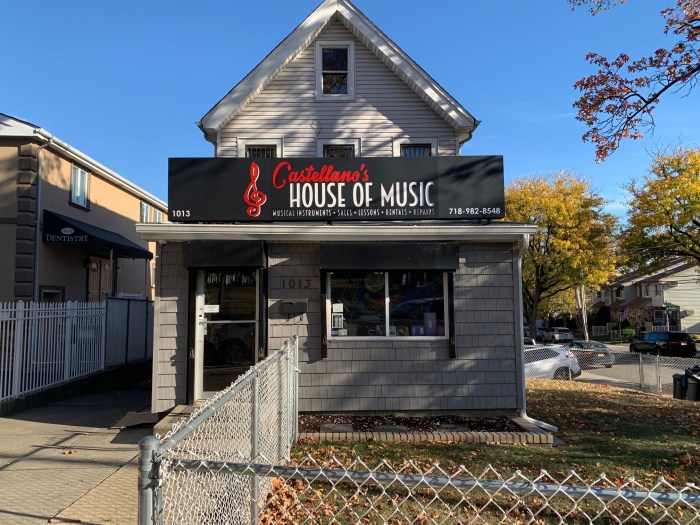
(335, 70)
(338, 148)
(415, 150)
(259, 148)
(261, 151)
(415, 147)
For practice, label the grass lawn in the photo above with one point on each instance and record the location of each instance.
(619, 432)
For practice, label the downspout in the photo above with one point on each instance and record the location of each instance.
(37, 221)
(519, 336)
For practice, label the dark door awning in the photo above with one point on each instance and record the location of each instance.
(66, 231)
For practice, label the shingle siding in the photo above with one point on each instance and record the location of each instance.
(405, 375)
(170, 335)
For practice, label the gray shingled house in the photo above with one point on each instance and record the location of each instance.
(338, 208)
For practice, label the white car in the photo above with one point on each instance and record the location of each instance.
(551, 362)
(558, 334)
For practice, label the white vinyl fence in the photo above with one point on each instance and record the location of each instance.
(43, 345)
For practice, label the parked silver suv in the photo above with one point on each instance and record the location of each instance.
(558, 334)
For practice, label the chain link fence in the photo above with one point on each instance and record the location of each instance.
(253, 420)
(230, 464)
(648, 373)
(331, 493)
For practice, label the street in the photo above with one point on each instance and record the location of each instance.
(632, 370)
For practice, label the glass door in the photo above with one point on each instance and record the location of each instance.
(226, 329)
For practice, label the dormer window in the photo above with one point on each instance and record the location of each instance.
(335, 70)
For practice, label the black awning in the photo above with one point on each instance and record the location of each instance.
(66, 231)
(217, 254)
(389, 256)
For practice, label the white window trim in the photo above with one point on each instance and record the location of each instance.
(338, 142)
(396, 150)
(145, 209)
(318, 65)
(387, 307)
(84, 185)
(243, 142)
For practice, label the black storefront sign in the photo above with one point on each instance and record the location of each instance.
(335, 189)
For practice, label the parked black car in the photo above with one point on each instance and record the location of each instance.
(591, 354)
(677, 344)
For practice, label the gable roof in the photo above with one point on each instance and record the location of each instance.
(638, 277)
(373, 38)
(13, 127)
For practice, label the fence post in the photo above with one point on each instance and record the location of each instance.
(148, 479)
(254, 444)
(19, 346)
(288, 402)
(658, 374)
(641, 372)
(295, 372)
(70, 318)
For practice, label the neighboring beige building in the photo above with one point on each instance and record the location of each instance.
(67, 222)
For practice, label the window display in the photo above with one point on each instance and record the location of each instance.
(408, 303)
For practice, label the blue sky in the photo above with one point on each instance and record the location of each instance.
(124, 82)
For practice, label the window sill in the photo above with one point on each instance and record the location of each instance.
(335, 98)
(375, 338)
(79, 206)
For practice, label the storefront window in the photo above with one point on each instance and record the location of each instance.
(397, 303)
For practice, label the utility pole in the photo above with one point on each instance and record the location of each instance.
(581, 304)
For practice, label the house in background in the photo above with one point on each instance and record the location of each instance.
(338, 208)
(67, 223)
(666, 299)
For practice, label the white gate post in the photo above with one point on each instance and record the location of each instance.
(19, 346)
(68, 354)
(103, 339)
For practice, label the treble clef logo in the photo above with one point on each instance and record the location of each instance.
(253, 197)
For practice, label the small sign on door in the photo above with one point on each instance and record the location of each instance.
(211, 308)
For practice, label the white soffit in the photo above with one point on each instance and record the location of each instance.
(309, 232)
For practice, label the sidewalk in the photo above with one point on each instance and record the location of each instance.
(64, 463)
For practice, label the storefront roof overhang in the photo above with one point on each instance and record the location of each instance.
(346, 232)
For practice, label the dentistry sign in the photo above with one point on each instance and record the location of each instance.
(335, 189)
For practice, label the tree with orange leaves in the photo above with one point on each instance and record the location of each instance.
(664, 216)
(573, 246)
(618, 101)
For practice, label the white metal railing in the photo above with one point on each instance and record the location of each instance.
(665, 327)
(600, 330)
(45, 344)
